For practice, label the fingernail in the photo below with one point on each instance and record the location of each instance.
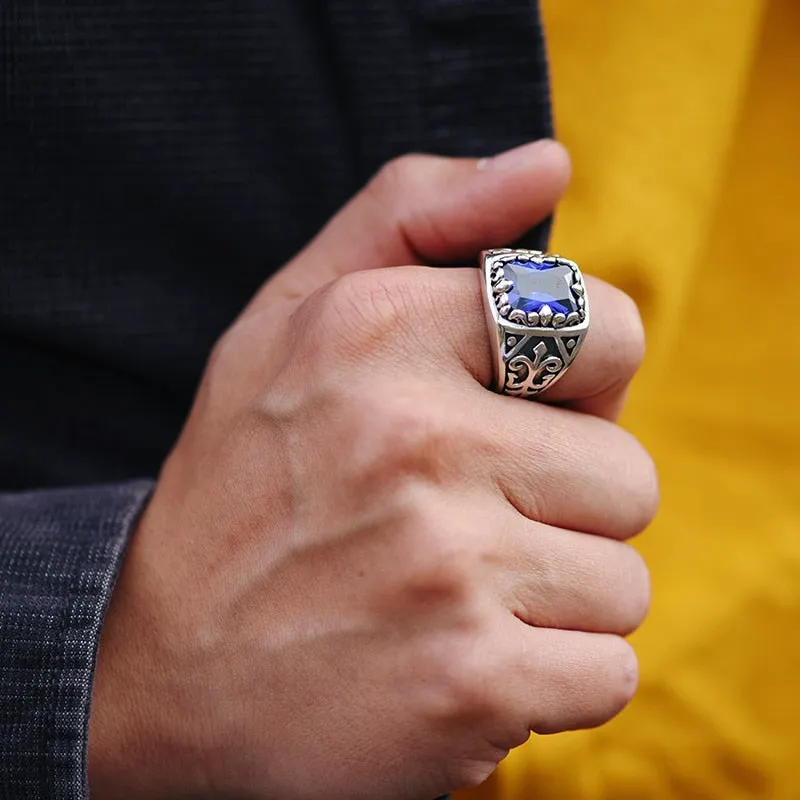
(516, 158)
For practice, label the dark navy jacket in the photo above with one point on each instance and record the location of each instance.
(158, 159)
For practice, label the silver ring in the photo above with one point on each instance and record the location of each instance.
(538, 314)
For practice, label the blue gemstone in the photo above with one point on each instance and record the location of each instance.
(537, 285)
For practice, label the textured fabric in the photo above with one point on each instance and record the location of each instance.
(59, 554)
(158, 160)
(684, 122)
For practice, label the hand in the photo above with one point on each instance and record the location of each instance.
(363, 575)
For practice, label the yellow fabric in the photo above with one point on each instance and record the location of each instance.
(683, 119)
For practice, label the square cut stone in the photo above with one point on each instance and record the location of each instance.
(538, 285)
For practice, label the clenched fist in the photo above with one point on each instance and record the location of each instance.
(362, 574)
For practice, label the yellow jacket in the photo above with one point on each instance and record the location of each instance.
(683, 119)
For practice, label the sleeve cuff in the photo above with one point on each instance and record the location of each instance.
(60, 553)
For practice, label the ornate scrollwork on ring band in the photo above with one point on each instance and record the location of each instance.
(527, 377)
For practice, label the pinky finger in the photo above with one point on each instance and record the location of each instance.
(569, 680)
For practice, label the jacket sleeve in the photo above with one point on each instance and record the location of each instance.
(60, 552)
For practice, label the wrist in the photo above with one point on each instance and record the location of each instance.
(138, 745)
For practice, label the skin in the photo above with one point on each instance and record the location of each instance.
(363, 575)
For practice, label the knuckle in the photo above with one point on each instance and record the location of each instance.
(413, 441)
(402, 190)
(459, 682)
(409, 438)
(355, 312)
(467, 693)
(440, 583)
(443, 571)
(397, 177)
(351, 300)
(468, 690)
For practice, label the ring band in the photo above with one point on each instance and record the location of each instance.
(538, 314)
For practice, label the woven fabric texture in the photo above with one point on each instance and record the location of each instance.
(158, 160)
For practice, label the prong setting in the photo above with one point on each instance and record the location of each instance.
(510, 304)
(538, 315)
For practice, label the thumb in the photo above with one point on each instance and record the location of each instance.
(422, 209)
